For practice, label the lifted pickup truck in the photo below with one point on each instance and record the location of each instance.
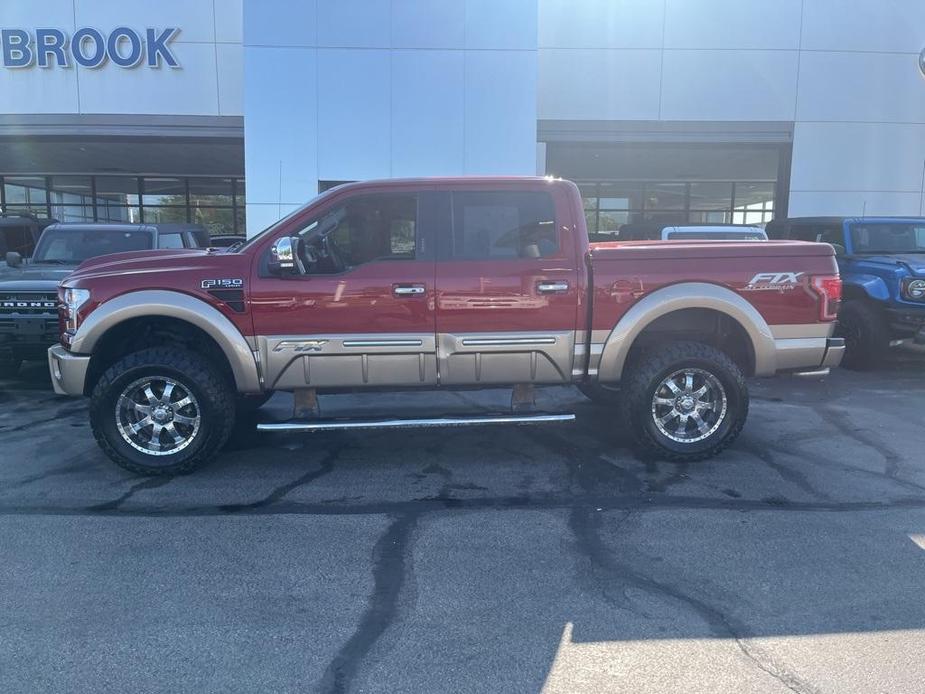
(470, 282)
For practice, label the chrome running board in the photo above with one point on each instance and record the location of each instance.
(341, 424)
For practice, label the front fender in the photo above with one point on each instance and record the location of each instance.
(872, 286)
(163, 303)
(676, 298)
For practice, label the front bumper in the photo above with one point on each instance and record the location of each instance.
(68, 371)
(906, 322)
(26, 337)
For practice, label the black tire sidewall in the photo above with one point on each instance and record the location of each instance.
(211, 432)
(865, 333)
(650, 375)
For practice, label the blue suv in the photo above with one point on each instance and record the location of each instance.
(882, 264)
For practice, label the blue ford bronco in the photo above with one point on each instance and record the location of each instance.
(882, 265)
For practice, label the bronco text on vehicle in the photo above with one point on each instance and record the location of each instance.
(472, 282)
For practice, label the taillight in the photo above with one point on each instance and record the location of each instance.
(828, 287)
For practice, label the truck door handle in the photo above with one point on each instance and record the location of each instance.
(553, 287)
(408, 289)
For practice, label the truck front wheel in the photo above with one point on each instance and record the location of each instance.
(162, 411)
(685, 401)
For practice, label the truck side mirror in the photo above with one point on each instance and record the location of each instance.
(13, 259)
(283, 259)
(839, 249)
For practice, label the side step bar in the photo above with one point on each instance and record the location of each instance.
(463, 421)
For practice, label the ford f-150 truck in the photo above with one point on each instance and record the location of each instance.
(427, 283)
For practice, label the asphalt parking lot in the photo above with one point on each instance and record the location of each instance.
(500, 559)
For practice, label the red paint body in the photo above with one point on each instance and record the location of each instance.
(465, 295)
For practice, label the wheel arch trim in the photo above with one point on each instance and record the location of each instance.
(677, 297)
(170, 304)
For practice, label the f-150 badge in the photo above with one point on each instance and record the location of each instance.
(223, 284)
(774, 281)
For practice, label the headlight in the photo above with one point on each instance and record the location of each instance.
(914, 289)
(73, 300)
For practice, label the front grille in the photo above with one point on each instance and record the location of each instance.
(28, 304)
(11, 326)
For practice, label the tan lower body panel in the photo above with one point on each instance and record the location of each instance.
(502, 358)
(331, 361)
(409, 360)
(800, 353)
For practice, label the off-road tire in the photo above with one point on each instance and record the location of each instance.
(642, 380)
(213, 391)
(8, 369)
(866, 333)
(601, 395)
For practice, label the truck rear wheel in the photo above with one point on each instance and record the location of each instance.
(685, 401)
(162, 411)
(866, 333)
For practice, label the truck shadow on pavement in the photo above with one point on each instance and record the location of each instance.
(513, 558)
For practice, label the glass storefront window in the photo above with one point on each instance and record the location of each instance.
(665, 196)
(611, 204)
(25, 190)
(240, 219)
(163, 191)
(210, 192)
(217, 220)
(711, 195)
(620, 196)
(71, 198)
(117, 213)
(217, 203)
(117, 190)
(164, 215)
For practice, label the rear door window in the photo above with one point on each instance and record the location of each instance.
(503, 225)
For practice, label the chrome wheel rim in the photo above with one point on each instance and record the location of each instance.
(689, 405)
(157, 415)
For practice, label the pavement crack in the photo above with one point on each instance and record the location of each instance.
(60, 413)
(325, 467)
(891, 458)
(585, 524)
(763, 451)
(115, 504)
(391, 559)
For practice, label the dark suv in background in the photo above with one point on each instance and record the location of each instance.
(19, 233)
(29, 288)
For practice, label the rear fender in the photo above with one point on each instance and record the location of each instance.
(683, 296)
(163, 303)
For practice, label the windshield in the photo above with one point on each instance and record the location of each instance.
(273, 227)
(73, 246)
(888, 237)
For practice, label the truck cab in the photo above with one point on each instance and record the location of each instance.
(882, 264)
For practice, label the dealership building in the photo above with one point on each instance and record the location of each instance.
(231, 114)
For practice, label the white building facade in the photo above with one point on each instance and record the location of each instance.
(662, 110)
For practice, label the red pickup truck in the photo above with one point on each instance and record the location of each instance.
(456, 282)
